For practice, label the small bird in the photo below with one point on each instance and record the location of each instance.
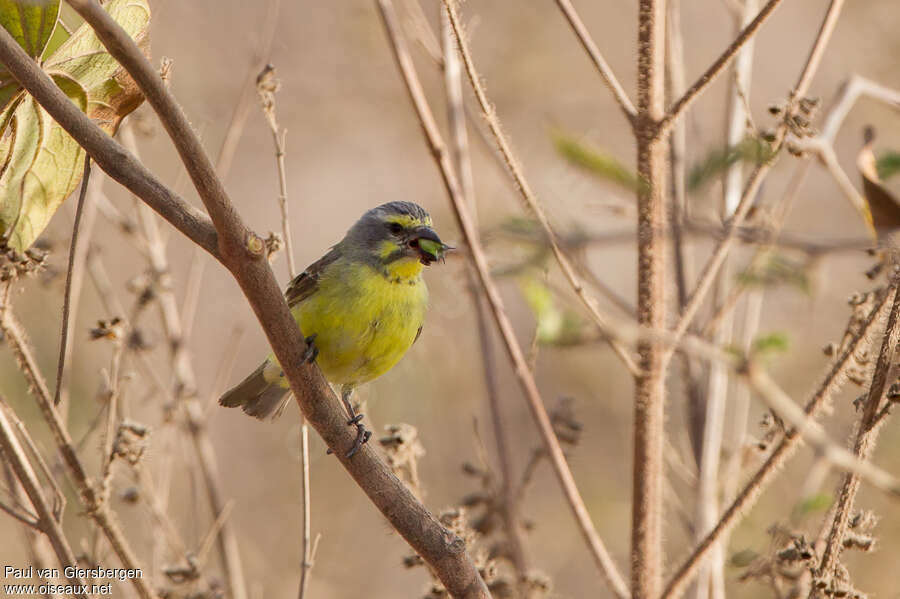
(362, 306)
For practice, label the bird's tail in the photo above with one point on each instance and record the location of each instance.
(257, 396)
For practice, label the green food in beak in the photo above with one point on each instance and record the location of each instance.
(429, 245)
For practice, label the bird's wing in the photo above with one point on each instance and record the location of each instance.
(306, 283)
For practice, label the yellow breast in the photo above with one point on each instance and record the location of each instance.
(364, 320)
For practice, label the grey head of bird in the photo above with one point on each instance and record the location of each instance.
(394, 231)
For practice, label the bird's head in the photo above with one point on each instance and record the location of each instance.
(397, 238)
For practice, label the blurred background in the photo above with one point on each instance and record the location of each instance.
(353, 142)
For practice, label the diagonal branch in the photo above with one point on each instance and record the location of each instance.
(866, 436)
(603, 68)
(751, 188)
(47, 522)
(716, 68)
(754, 488)
(88, 493)
(242, 252)
(479, 260)
(515, 169)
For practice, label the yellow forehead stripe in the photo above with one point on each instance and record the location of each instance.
(407, 221)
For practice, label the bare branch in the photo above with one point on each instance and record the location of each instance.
(515, 170)
(48, 524)
(459, 146)
(243, 253)
(89, 495)
(603, 68)
(866, 436)
(716, 68)
(756, 178)
(67, 297)
(650, 391)
(745, 500)
(464, 220)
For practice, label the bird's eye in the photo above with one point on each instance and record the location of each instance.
(395, 228)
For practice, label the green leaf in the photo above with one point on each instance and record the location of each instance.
(554, 326)
(812, 504)
(40, 164)
(594, 161)
(41, 169)
(743, 558)
(9, 89)
(771, 343)
(888, 165)
(30, 22)
(752, 150)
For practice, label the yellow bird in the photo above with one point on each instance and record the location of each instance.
(362, 306)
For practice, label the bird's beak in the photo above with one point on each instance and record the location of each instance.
(428, 245)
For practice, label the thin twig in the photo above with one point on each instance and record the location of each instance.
(812, 432)
(603, 68)
(266, 86)
(464, 220)
(716, 68)
(711, 583)
(762, 170)
(242, 108)
(89, 495)
(185, 389)
(13, 453)
(28, 519)
(459, 146)
(866, 436)
(518, 175)
(67, 297)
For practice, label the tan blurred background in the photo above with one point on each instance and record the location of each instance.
(353, 142)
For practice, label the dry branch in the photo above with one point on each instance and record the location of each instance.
(751, 188)
(866, 435)
(47, 520)
(479, 260)
(650, 392)
(531, 201)
(90, 497)
(747, 497)
(716, 68)
(459, 146)
(242, 252)
(185, 388)
(609, 78)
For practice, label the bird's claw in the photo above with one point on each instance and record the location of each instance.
(362, 436)
(311, 352)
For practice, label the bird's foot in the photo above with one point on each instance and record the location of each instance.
(311, 352)
(362, 436)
